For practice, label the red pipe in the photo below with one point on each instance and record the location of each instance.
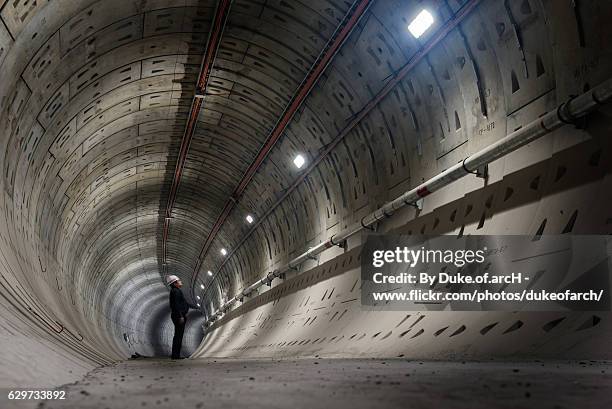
(311, 79)
(214, 40)
(332, 47)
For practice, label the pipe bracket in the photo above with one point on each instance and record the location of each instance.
(481, 172)
(311, 257)
(418, 204)
(340, 244)
(563, 112)
(366, 227)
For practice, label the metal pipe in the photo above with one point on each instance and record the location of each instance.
(566, 113)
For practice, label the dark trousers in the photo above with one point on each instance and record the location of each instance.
(177, 341)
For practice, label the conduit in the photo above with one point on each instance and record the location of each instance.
(566, 113)
(214, 39)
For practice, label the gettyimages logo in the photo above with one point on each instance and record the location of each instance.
(412, 257)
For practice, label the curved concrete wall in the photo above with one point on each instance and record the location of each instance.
(429, 121)
(93, 105)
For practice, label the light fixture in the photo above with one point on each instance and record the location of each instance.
(224, 252)
(198, 297)
(202, 286)
(421, 23)
(299, 161)
(249, 219)
(198, 305)
(209, 273)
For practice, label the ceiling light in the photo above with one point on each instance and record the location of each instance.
(202, 286)
(209, 273)
(421, 23)
(224, 252)
(299, 161)
(249, 219)
(198, 297)
(198, 305)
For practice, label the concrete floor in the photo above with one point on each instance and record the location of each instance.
(327, 383)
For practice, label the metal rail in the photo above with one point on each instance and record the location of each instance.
(566, 113)
(214, 39)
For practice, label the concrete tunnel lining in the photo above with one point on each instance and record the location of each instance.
(94, 98)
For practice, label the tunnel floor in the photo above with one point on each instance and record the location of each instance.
(341, 383)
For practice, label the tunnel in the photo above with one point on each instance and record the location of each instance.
(252, 148)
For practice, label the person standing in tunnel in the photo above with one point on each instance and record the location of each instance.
(179, 308)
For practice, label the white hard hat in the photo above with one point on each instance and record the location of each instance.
(171, 279)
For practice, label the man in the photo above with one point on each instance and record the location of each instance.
(179, 307)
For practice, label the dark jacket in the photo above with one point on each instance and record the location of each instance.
(178, 304)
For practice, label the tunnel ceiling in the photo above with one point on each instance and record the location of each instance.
(96, 96)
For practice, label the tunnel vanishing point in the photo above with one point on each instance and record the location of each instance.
(245, 146)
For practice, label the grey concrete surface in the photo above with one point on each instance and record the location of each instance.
(94, 98)
(341, 383)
